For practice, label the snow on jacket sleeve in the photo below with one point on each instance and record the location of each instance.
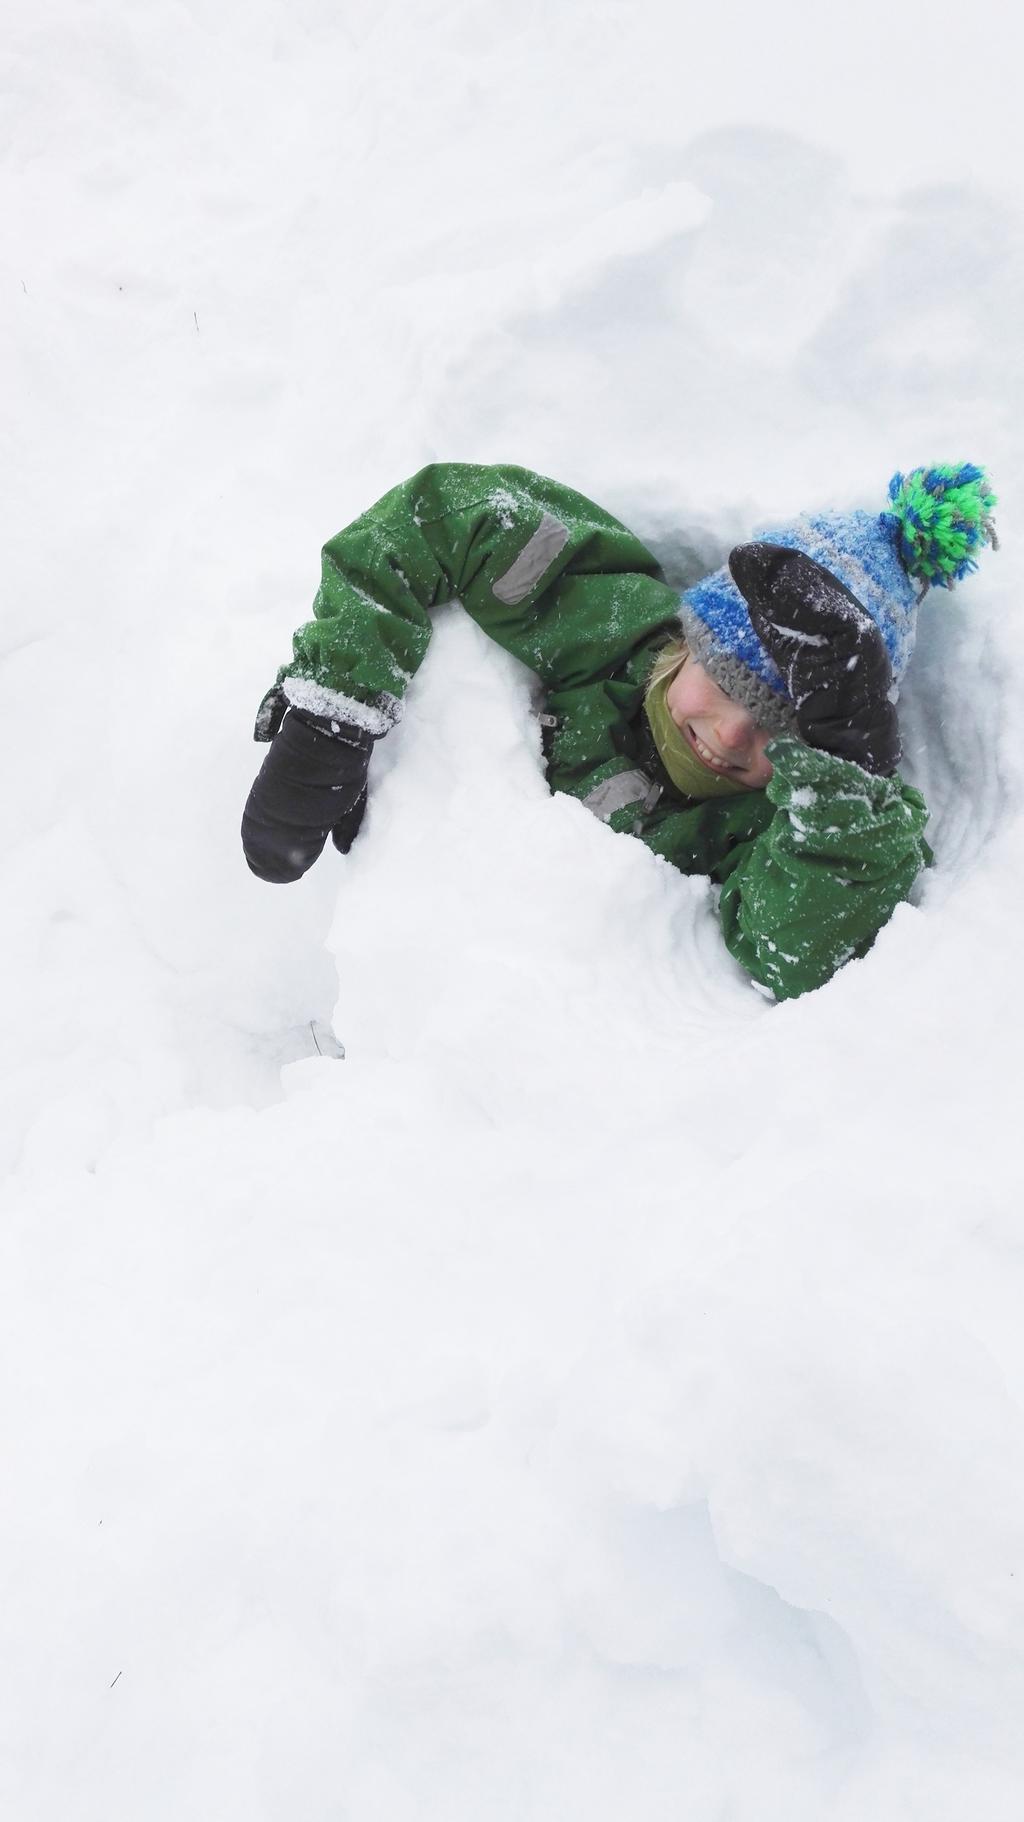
(813, 890)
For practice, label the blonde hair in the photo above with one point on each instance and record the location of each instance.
(669, 660)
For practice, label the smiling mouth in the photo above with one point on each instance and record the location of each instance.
(707, 757)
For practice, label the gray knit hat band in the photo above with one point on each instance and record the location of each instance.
(734, 679)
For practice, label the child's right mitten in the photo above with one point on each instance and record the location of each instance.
(829, 650)
(312, 784)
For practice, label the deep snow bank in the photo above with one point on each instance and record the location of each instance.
(603, 1389)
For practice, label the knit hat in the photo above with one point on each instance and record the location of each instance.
(938, 520)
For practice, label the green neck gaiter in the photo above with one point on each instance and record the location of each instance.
(678, 758)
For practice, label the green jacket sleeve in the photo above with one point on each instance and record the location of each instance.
(552, 577)
(841, 851)
(379, 578)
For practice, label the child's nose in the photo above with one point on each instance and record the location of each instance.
(733, 730)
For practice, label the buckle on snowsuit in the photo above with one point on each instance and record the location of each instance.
(619, 792)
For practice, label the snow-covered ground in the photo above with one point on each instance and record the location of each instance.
(601, 1394)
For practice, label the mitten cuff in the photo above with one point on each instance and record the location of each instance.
(318, 700)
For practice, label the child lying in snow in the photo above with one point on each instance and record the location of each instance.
(746, 730)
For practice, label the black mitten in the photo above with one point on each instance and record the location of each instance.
(830, 652)
(312, 784)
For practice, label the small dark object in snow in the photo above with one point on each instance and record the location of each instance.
(327, 1045)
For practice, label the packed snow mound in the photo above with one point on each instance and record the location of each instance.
(601, 1392)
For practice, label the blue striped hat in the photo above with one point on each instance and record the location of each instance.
(939, 519)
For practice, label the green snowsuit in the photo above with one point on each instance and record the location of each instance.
(810, 868)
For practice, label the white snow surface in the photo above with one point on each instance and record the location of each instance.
(602, 1393)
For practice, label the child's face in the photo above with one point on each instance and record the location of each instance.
(724, 736)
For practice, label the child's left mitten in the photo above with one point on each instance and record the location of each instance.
(829, 651)
(312, 784)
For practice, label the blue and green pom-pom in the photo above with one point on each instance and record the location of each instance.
(943, 519)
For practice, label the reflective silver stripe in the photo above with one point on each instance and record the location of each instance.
(615, 793)
(534, 558)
